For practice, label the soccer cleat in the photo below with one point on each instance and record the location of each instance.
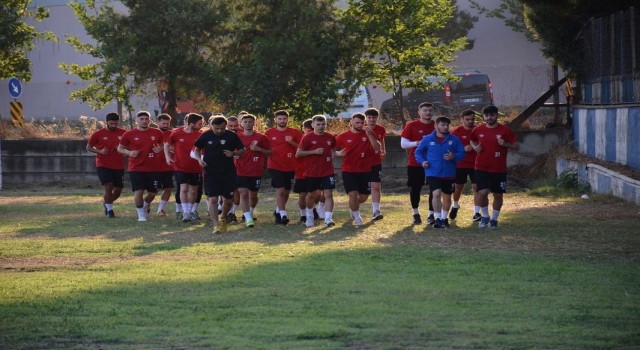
(111, 214)
(431, 219)
(357, 222)
(186, 217)
(316, 216)
(377, 216)
(142, 219)
(195, 215)
(147, 211)
(309, 222)
(445, 222)
(303, 219)
(178, 215)
(329, 224)
(223, 225)
(437, 223)
(454, 213)
(161, 213)
(276, 217)
(250, 223)
(284, 220)
(493, 224)
(231, 217)
(217, 229)
(476, 217)
(484, 222)
(417, 220)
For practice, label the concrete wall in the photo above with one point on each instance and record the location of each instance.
(40, 161)
(611, 134)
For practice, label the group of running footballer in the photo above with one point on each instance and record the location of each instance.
(226, 161)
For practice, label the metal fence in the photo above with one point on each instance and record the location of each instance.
(611, 70)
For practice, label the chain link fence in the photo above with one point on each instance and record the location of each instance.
(611, 68)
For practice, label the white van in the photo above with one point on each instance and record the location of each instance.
(359, 104)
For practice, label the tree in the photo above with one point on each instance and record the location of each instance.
(17, 37)
(154, 42)
(555, 24)
(285, 54)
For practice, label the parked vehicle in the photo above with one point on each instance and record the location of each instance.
(474, 90)
(359, 104)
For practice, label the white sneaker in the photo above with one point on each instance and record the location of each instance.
(142, 219)
(357, 222)
(310, 222)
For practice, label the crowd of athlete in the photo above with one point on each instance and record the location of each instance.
(226, 161)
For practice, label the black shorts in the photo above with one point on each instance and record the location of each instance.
(282, 179)
(106, 175)
(356, 182)
(193, 179)
(376, 173)
(166, 179)
(143, 180)
(300, 186)
(445, 185)
(220, 185)
(416, 177)
(250, 182)
(496, 182)
(321, 183)
(463, 173)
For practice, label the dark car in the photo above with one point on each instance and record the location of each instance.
(473, 90)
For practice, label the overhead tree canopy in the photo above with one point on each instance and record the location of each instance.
(406, 41)
(17, 37)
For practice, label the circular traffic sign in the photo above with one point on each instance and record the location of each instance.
(15, 87)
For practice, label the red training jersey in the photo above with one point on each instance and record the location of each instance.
(318, 165)
(105, 138)
(251, 163)
(380, 134)
(469, 160)
(359, 151)
(162, 162)
(284, 153)
(144, 142)
(182, 143)
(493, 157)
(414, 131)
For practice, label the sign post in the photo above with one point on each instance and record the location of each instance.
(15, 107)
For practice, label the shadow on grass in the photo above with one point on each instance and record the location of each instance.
(393, 297)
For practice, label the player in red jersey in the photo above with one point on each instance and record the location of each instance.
(142, 146)
(410, 139)
(281, 164)
(492, 141)
(300, 184)
(250, 166)
(380, 134)
(109, 163)
(317, 149)
(465, 167)
(166, 170)
(357, 147)
(188, 170)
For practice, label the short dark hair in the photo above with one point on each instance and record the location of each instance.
(490, 109)
(193, 118)
(218, 120)
(358, 115)
(143, 113)
(372, 112)
(163, 116)
(281, 112)
(248, 116)
(443, 120)
(241, 113)
(308, 124)
(112, 116)
(319, 117)
(425, 104)
(233, 118)
(467, 112)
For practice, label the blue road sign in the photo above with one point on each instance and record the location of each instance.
(15, 87)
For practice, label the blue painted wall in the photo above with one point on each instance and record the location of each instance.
(610, 134)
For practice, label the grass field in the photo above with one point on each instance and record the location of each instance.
(560, 273)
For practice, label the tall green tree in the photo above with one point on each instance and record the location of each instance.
(404, 42)
(17, 37)
(162, 43)
(285, 54)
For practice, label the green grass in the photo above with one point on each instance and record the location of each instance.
(558, 273)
